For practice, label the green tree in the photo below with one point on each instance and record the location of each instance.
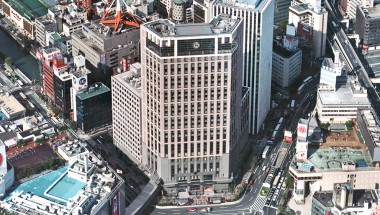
(349, 124)
(289, 181)
(62, 128)
(8, 61)
(55, 110)
(73, 124)
(283, 25)
(325, 126)
(253, 162)
(280, 209)
(39, 141)
(21, 143)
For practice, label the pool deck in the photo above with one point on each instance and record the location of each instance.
(45, 186)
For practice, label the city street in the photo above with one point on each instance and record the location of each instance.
(251, 200)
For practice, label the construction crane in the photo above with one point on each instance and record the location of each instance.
(119, 17)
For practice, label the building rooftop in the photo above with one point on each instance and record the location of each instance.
(278, 49)
(344, 95)
(335, 157)
(10, 104)
(94, 90)
(255, 5)
(219, 25)
(325, 198)
(99, 32)
(31, 8)
(372, 12)
(131, 78)
(83, 187)
(304, 8)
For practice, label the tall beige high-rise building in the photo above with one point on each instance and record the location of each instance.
(194, 108)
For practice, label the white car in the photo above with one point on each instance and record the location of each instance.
(264, 167)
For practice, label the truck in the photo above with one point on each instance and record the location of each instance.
(275, 181)
(22, 95)
(265, 152)
(292, 104)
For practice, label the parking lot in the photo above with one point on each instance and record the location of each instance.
(29, 155)
(22, 155)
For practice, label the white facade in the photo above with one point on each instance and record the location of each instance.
(7, 177)
(341, 105)
(126, 112)
(258, 28)
(329, 73)
(191, 101)
(286, 65)
(353, 4)
(315, 16)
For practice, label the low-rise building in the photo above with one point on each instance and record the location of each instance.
(93, 107)
(286, 62)
(342, 201)
(339, 96)
(50, 22)
(104, 49)
(11, 107)
(368, 26)
(7, 174)
(315, 16)
(86, 185)
(369, 126)
(341, 159)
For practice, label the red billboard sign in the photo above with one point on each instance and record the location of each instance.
(115, 204)
(124, 64)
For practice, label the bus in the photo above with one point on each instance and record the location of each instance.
(307, 79)
(20, 83)
(22, 95)
(292, 104)
(301, 88)
(274, 135)
(280, 121)
(265, 152)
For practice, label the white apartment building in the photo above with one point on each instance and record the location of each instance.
(126, 112)
(330, 71)
(315, 16)
(258, 27)
(193, 123)
(287, 62)
(341, 105)
(339, 97)
(348, 7)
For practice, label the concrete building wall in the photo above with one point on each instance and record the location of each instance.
(286, 69)
(317, 18)
(257, 55)
(191, 110)
(126, 117)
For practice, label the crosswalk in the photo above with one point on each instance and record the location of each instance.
(259, 203)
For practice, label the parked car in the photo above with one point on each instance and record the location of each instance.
(207, 210)
(191, 209)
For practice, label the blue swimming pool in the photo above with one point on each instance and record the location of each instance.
(2, 116)
(64, 189)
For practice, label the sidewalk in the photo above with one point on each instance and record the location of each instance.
(304, 209)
